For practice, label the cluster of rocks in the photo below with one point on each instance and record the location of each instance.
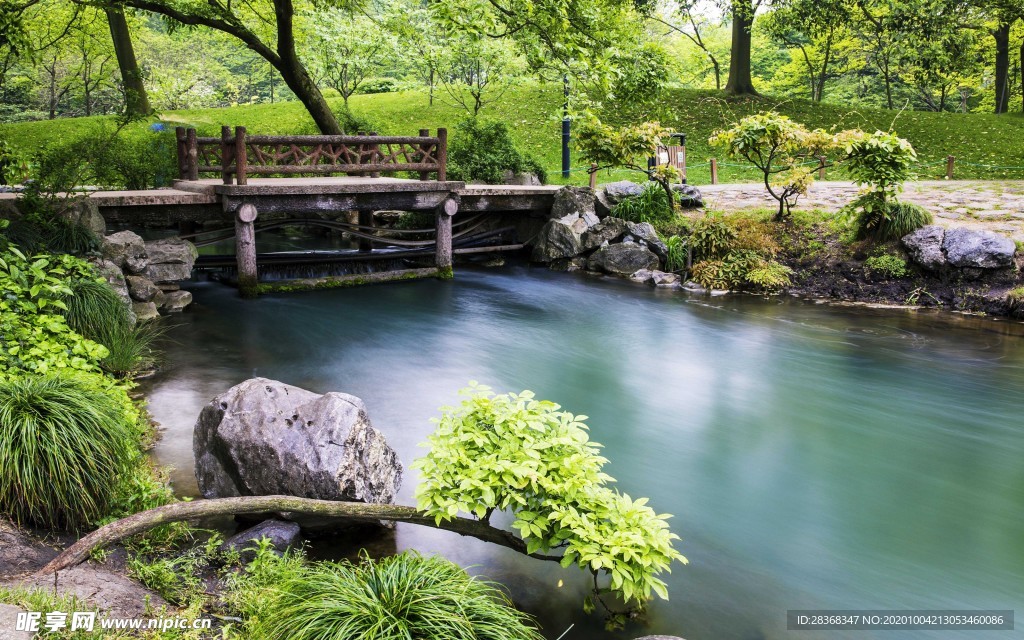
(146, 274)
(583, 235)
(969, 251)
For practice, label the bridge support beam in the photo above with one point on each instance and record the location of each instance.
(245, 250)
(443, 218)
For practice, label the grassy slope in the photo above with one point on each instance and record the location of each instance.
(533, 114)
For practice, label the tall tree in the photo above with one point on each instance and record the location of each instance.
(740, 80)
(136, 101)
(812, 28)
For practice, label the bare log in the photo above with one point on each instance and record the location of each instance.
(349, 511)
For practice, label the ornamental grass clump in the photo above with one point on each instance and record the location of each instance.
(401, 597)
(63, 443)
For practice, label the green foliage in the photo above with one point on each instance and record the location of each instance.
(34, 335)
(711, 237)
(46, 600)
(96, 311)
(1015, 302)
(770, 275)
(398, 597)
(110, 156)
(485, 151)
(641, 75)
(888, 265)
(62, 441)
(43, 226)
(512, 452)
(675, 259)
(779, 148)
(890, 221)
(175, 578)
(650, 205)
(881, 162)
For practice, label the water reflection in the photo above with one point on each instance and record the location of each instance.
(814, 457)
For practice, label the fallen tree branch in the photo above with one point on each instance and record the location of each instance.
(349, 511)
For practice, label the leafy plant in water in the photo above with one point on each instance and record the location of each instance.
(512, 452)
(62, 442)
(398, 597)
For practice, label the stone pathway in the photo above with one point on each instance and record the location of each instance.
(997, 205)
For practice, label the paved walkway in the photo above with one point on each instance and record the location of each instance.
(997, 205)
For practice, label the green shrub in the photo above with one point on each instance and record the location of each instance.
(42, 227)
(399, 597)
(512, 452)
(63, 442)
(1015, 302)
(34, 336)
(770, 276)
(711, 237)
(485, 151)
(891, 221)
(650, 205)
(888, 265)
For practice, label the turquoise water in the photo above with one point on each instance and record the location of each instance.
(813, 456)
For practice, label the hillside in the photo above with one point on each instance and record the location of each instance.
(986, 146)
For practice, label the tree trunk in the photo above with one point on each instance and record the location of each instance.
(344, 511)
(136, 101)
(295, 74)
(740, 81)
(1002, 37)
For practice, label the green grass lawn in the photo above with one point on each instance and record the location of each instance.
(985, 146)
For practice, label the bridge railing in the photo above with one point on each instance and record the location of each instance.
(235, 155)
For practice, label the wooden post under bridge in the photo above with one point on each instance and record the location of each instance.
(245, 250)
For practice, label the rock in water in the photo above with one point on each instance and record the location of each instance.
(126, 250)
(557, 239)
(622, 259)
(170, 260)
(281, 535)
(978, 249)
(263, 437)
(645, 231)
(608, 230)
(925, 246)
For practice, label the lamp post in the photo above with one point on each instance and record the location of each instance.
(565, 126)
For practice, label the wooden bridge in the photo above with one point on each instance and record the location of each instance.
(274, 178)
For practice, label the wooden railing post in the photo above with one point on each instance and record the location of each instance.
(593, 175)
(245, 250)
(443, 218)
(374, 156)
(227, 150)
(714, 171)
(950, 164)
(179, 134)
(192, 154)
(821, 167)
(424, 133)
(442, 156)
(240, 157)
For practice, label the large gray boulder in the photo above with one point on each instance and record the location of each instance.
(623, 259)
(557, 239)
(125, 249)
(263, 437)
(925, 247)
(574, 201)
(608, 230)
(141, 288)
(688, 197)
(86, 213)
(114, 277)
(174, 301)
(616, 192)
(114, 594)
(170, 260)
(645, 231)
(978, 249)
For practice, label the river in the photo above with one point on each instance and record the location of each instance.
(814, 456)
